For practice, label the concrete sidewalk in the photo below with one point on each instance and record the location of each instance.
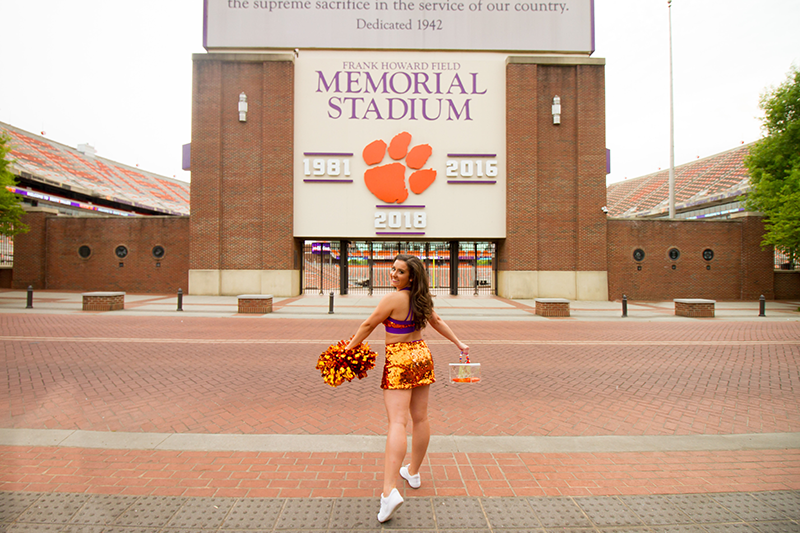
(354, 306)
(758, 512)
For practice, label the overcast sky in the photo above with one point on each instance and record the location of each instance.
(118, 75)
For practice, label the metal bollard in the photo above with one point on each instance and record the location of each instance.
(762, 306)
(624, 306)
(30, 297)
(330, 304)
(180, 300)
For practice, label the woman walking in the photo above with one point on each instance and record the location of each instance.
(407, 373)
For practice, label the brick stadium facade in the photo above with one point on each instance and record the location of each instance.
(739, 269)
(84, 211)
(49, 256)
(710, 215)
(556, 181)
(559, 242)
(556, 233)
(242, 177)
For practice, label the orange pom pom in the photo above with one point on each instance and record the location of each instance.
(337, 365)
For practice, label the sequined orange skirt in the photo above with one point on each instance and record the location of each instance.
(408, 365)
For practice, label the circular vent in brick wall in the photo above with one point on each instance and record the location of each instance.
(121, 252)
(84, 251)
(638, 254)
(674, 254)
(708, 254)
(158, 252)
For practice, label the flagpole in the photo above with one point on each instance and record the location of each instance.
(671, 123)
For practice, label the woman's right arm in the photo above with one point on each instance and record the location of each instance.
(377, 317)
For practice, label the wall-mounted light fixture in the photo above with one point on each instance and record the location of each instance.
(242, 107)
(556, 110)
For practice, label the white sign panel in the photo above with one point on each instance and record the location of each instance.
(522, 25)
(399, 145)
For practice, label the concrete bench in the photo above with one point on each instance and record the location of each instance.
(558, 307)
(103, 301)
(255, 303)
(694, 307)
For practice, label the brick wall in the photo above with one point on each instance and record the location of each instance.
(730, 275)
(758, 263)
(591, 223)
(556, 173)
(787, 285)
(242, 184)
(64, 269)
(519, 250)
(557, 183)
(30, 248)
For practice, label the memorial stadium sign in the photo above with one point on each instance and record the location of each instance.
(517, 25)
(399, 144)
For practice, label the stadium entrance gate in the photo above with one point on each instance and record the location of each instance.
(362, 267)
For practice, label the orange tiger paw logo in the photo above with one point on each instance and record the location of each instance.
(388, 182)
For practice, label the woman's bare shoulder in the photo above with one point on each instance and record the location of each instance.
(393, 297)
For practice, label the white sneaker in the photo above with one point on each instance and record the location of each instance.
(389, 505)
(413, 481)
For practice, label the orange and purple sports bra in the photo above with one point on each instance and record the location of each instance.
(401, 327)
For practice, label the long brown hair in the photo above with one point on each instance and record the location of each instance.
(421, 301)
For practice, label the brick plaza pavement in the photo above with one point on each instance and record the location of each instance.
(204, 375)
(84, 389)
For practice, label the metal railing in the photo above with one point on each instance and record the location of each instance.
(785, 260)
(369, 264)
(6, 251)
(321, 267)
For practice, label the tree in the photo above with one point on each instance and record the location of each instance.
(774, 165)
(10, 211)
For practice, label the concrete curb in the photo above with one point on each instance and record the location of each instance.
(376, 443)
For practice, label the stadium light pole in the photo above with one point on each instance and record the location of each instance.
(671, 124)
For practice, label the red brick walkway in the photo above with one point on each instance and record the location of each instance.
(327, 475)
(237, 375)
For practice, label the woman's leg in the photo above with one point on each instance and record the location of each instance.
(397, 406)
(421, 431)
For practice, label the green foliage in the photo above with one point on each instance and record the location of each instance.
(774, 165)
(10, 211)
